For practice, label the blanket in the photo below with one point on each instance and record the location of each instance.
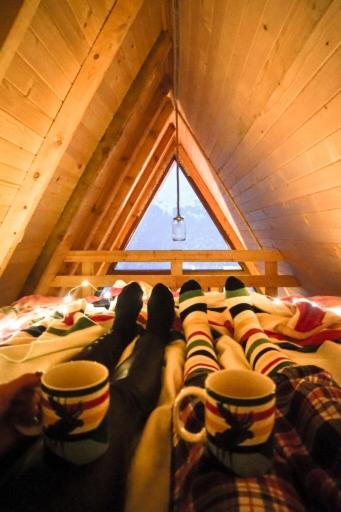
(155, 455)
(37, 332)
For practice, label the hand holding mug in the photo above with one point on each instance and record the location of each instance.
(19, 409)
(75, 406)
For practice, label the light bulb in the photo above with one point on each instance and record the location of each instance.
(178, 229)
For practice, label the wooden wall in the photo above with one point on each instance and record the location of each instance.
(38, 78)
(260, 87)
(259, 92)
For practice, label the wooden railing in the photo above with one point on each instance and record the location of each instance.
(89, 261)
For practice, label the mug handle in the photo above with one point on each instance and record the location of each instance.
(191, 437)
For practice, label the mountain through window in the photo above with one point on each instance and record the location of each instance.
(154, 231)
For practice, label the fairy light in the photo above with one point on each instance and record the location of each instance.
(84, 284)
(336, 310)
(63, 310)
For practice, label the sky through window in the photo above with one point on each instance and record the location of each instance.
(154, 230)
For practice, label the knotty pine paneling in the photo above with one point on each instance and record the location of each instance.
(108, 98)
(10, 174)
(231, 66)
(14, 155)
(33, 51)
(323, 154)
(89, 20)
(21, 108)
(8, 15)
(44, 28)
(68, 26)
(294, 154)
(319, 47)
(265, 107)
(322, 274)
(23, 78)
(313, 98)
(17, 133)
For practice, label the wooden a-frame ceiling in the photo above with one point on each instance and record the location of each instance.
(87, 120)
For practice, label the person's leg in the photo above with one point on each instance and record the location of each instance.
(201, 358)
(201, 361)
(143, 381)
(263, 356)
(43, 482)
(109, 347)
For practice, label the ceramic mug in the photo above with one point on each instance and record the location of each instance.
(239, 419)
(75, 408)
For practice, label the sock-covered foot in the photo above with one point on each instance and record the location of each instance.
(263, 355)
(128, 305)
(160, 310)
(200, 352)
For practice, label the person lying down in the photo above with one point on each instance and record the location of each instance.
(39, 481)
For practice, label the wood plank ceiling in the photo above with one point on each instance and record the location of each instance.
(87, 127)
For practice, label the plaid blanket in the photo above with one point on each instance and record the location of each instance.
(306, 473)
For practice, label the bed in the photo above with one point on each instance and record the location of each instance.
(38, 331)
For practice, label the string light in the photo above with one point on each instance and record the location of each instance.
(84, 284)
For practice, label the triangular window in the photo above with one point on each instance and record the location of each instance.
(154, 232)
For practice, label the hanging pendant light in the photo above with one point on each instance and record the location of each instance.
(178, 223)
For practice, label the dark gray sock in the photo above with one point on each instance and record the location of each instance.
(128, 305)
(160, 312)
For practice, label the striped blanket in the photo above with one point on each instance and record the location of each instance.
(47, 332)
(37, 332)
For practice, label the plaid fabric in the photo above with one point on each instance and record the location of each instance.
(306, 473)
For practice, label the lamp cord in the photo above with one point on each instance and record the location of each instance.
(175, 96)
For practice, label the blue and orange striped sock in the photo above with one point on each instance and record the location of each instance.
(263, 356)
(200, 353)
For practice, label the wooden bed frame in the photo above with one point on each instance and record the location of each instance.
(94, 267)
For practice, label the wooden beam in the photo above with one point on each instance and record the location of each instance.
(113, 134)
(271, 271)
(228, 255)
(87, 269)
(50, 272)
(123, 172)
(98, 209)
(69, 116)
(136, 170)
(206, 280)
(143, 194)
(16, 17)
(204, 191)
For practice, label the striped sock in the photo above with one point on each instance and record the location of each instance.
(200, 353)
(263, 356)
